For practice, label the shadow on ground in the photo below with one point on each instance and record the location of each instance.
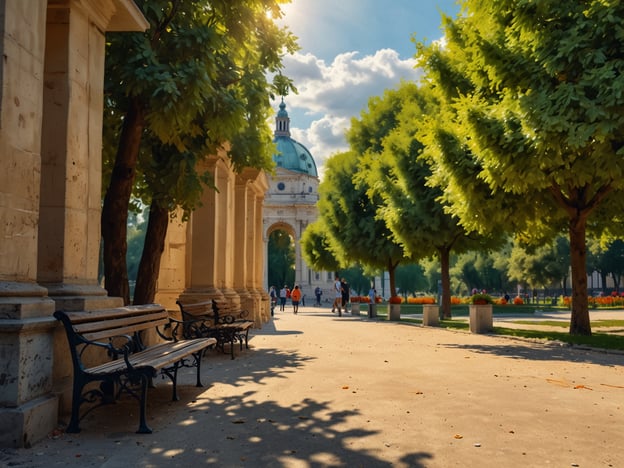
(547, 352)
(206, 427)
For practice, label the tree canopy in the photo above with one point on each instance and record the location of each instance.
(194, 81)
(534, 93)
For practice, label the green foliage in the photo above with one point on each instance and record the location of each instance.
(410, 279)
(281, 259)
(316, 247)
(540, 266)
(351, 216)
(199, 73)
(481, 298)
(530, 139)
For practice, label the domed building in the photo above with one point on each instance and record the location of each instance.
(290, 203)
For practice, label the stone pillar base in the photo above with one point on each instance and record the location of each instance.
(394, 311)
(29, 423)
(481, 318)
(431, 315)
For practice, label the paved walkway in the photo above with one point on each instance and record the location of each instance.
(317, 390)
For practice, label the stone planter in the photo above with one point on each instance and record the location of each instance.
(481, 318)
(394, 311)
(431, 315)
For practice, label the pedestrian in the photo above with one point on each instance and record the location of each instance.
(282, 296)
(345, 293)
(372, 296)
(295, 296)
(337, 296)
(318, 292)
(273, 296)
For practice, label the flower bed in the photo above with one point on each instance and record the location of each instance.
(395, 300)
(421, 300)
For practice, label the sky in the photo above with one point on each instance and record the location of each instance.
(350, 51)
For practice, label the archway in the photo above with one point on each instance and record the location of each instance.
(281, 257)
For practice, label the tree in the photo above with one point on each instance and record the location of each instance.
(410, 278)
(535, 91)
(316, 247)
(358, 235)
(193, 81)
(607, 257)
(398, 174)
(537, 266)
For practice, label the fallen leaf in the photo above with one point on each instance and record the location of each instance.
(346, 387)
(583, 387)
(458, 436)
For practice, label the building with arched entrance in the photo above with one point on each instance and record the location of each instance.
(290, 203)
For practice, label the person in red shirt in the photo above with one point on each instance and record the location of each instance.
(295, 296)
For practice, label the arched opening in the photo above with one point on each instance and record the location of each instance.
(281, 259)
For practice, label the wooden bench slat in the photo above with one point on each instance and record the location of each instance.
(107, 314)
(114, 322)
(119, 331)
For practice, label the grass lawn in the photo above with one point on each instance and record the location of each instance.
(600, 340)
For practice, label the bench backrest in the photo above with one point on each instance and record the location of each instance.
(216, 311)
(102, 324)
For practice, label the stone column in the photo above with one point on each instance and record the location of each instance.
(225, 179)
(173, 265)
(257, 283)
(244, 228)
(38, 38)
(71, 146)
(28, 409)
(207, 240)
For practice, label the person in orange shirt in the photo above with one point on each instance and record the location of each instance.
(295, 297)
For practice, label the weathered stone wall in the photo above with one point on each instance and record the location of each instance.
(51, 80)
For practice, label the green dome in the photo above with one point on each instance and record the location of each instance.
(291, 154)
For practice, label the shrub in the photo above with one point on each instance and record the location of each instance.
(395, 300)
(421, 300)
(518, 300)
(481, 298)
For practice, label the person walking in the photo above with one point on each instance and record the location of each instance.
(318, 292)
(345, 293)
(273, 296)
(372, 295)
(295, 297)
(337, 296)
(282, 296)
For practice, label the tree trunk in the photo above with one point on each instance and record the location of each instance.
(391, 274)
(116, 203)
(579, 322)
(147, 276)
(445, 255)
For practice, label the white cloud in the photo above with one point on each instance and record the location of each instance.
(331, 94)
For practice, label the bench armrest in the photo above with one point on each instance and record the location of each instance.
(193, 328)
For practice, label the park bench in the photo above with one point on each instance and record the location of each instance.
(107, 346)
(216, 319)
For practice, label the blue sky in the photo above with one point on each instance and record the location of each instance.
(350, 51)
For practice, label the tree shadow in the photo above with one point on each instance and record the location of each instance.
(229, 429)
(542, 352)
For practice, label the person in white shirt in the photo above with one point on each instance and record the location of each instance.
(337, 296)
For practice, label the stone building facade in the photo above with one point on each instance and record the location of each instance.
(291, 203)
